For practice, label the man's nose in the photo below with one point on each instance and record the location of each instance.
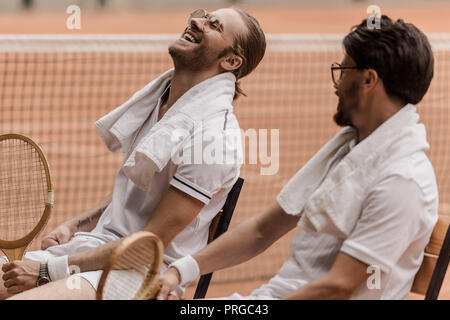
(197, 24)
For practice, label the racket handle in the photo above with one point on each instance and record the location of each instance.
(14, 254)
(154, 292)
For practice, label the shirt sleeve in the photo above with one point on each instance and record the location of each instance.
(201, 172)
(389, 222)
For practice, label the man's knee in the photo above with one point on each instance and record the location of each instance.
(79, 288)
(72, 288)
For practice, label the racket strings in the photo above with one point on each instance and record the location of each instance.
(131, 274)
(23, 188)
(132, 271)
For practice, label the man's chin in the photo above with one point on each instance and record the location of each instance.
(337, 119)
(179, 54)
(340, 120)
(194, 59)
(175, 47)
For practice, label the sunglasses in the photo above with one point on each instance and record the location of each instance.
(213, 22)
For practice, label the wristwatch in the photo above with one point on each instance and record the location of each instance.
(43, 277)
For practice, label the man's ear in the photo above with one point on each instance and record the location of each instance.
(370, 79)
(231, 62)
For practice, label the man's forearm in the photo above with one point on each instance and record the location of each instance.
(87, 220)
(246, 240)
(233, 247)
(344, 278)
(93, 259)
(320, 289)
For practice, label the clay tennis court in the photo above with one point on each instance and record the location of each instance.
(282, 95)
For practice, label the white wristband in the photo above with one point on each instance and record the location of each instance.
(188, 269)
(58, 268)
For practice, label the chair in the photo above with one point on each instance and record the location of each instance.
(429, 278)
(218, 226)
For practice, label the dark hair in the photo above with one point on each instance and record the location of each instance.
(250, 46)
(399, 52)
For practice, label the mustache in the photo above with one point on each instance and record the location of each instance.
(194, 29)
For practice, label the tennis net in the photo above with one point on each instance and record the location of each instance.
(53, 88)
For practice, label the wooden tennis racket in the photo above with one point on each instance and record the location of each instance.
(26, 195)
(131, 271)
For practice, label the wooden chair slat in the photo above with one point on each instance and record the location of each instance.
(429, 278)
(438, 235)
(424, 274)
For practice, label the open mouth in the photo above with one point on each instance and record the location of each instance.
(189, 36)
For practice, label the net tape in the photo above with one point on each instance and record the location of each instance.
(159, 42)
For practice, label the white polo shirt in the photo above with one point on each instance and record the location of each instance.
(131, 206)
(395, 225)
(208, 181)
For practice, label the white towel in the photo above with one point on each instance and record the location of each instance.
(333, 205)
(155, 149)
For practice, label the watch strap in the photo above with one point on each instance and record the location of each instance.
(43, 273)
(43, 270)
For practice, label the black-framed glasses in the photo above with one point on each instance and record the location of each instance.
(213, 22)
(336, 71)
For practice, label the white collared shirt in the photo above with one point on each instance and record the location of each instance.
(394, 227)
(210, 183)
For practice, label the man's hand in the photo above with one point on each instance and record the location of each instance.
(62, 234)
(168, 281)
(20, 276)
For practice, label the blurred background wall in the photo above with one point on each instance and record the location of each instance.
(56, 5)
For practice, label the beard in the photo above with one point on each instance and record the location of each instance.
(348, 101)
(196, 59)
(341, 118)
